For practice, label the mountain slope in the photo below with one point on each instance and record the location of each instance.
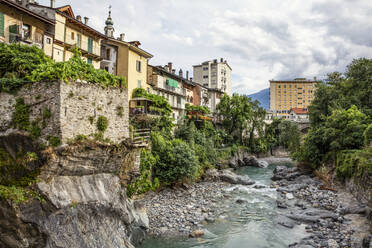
(263, 97)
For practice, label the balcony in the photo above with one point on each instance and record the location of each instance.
(26, 39)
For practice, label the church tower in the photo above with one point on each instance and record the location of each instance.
(109, 28)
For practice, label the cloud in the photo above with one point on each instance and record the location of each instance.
(261, 39)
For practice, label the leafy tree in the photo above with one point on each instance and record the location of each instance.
(289, 135)
(176, 161)
(235, 113)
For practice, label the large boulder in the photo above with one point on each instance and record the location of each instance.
(243, 158)
(231, 177)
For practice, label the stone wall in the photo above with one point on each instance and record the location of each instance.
(39, 96)
(74, 109)
(81, 105)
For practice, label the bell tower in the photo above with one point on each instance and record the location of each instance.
(109, 28)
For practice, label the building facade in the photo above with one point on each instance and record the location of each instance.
(165, 82)
(20, 25)
(124, 58)
(71, 32)
(214, 75)
(288, 94)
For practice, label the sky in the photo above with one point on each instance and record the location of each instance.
(260, 39)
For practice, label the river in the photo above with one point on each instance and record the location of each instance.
(248, 224)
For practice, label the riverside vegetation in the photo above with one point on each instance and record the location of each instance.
(196, 146)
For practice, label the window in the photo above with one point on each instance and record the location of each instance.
(108, 53)
(138, 65)
(48, 40)
(26, 31)
(2, 33)
(78, 42)
(279, 86)
(106, 68)
(205, 68)
(205, 76)
(90, 45)
(89, 61)
(72, 35)
(139, 84)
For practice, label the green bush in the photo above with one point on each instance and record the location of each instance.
(102, 123)
(144, 182)
(21, 115)
(368, 135)
(354, 163)
(22, 64)
(54, 141)
(176, 161)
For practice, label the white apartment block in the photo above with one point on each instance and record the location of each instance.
(216, 76)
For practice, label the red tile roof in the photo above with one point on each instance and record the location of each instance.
(299, 111)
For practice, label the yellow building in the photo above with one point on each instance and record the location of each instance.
(20, 25)
(125, 59)
(71, 32)
(288, 94)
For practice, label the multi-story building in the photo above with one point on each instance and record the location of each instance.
(288, 94)
(18, 24)
(165, 82)
(124, 58)
(71, 32)
(216, 76)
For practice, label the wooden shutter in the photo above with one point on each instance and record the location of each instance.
(2, 33)
(13, 33)
(90, 45)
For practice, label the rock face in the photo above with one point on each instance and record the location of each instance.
(85, 203)
(243, 158)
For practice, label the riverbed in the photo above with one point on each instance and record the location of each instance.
(247, 219)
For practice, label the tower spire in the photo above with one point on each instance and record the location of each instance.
(109, 28)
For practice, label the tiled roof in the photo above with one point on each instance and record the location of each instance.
(299, 111)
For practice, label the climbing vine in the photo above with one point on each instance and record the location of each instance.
(21, 64)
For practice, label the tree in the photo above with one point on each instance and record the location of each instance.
(235, 113)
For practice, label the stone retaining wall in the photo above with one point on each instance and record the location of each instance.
(74, 109)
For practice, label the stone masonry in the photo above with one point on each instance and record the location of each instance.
(74, 107)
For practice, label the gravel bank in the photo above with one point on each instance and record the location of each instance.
(177, 212)
(333, 220)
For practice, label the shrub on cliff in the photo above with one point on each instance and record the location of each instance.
(21, 64)
(176, 160)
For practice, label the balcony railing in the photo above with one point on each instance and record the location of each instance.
(142, 111)
(19, 38)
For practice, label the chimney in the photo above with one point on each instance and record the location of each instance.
(170, 66)
(191, 79)
(122, 36)
(86, 19)
(166, 68)
(221, 60)
(173, 71)
(180, 73)
(52, 3)
(78, 17)
(187, 75)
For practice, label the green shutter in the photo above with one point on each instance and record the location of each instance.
(90, 45)
(13, 33)
(172, 83)
(2, 25)
(89, 60)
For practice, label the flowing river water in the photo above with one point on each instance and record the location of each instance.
(249, 224)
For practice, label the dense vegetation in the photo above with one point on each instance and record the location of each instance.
(341, 118)
(21, 64)
(185, 153)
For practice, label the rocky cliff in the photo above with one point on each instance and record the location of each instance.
(81, 196)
